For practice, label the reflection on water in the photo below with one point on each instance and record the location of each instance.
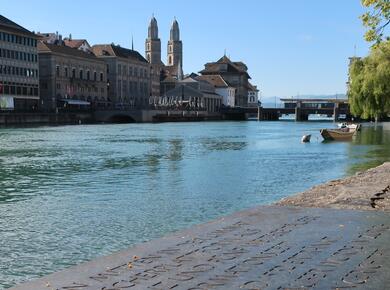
(72, 193)
(370, 148)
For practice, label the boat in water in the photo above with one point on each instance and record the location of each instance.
(349, 126)
(338, 134)
(306, 138)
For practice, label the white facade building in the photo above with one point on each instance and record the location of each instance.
(227, 92)
(253, 95)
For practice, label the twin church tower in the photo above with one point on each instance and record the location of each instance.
(153, 45)
(174, 53)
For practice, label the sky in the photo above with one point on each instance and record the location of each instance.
(291, 48)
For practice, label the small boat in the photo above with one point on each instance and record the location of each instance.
(338, 134)
(349, 126)
(306, 138)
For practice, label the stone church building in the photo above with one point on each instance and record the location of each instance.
(164, 77)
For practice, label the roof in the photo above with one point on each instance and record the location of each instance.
(231, 67)
(44, 47)
(183, 90)
(12, 26)
(215, 80)
(74, 43)
(252, 87)
(169, 79)
(188, 80)
(118, 51)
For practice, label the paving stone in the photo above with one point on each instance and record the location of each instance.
(268, 247)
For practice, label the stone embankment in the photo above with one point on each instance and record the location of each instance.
(368, 190)
(267, 247)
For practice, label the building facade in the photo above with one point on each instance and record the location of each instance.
(235, 74)
(221, 88)
(19, 68)
(71, 76)
(253, 95)
(196, 95)
(128, 73)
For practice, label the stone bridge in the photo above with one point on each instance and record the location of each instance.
(141, 116)
(119, 116)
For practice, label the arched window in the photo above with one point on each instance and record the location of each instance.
(170, 60)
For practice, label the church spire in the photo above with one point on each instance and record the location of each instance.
(153, 29)
(175, 31)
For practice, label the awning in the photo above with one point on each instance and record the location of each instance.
(76, 102)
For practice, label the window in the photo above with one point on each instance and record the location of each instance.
(73, 73)
(81, 74)
(130, 71)
(101, 76)
(88, 75)
(66, 72)
(94, 76)
(57, 70)
(119, 69)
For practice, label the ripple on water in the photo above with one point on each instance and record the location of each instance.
(72, 193)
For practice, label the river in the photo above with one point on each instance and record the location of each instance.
(72, 193)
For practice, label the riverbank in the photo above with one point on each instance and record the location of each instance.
(368, 190)
(267, 247)
(293, 246)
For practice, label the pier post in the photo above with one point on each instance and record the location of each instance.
(258, 113)
(336, 112)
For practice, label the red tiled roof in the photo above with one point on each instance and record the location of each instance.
(231, 67)
(215, 80)
(47, 47)
(116, 50)
(74, 43)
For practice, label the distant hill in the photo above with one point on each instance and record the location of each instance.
(272, 102)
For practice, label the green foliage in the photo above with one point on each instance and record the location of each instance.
(376, 19)
(369, 83)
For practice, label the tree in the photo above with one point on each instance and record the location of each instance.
(376, 19)
(369, 83)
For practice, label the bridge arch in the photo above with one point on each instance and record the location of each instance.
(121, 118)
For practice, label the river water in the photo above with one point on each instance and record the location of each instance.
(72, 193)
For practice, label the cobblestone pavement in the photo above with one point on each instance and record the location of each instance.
(262, 248)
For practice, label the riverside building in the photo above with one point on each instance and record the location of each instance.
(70, 77)
(128, 75)
(235, 74)
(19, 69)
